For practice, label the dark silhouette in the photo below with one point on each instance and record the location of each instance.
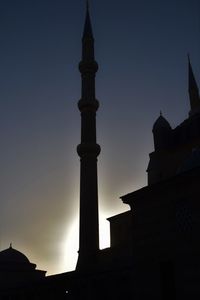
(17, 274)
(154, 251)
(88, 151)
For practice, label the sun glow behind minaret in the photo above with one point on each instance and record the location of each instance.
(70, 248)
(104, 232)
(69, 255)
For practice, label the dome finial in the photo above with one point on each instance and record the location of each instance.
(10, 245)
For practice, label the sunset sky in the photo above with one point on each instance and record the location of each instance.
(141, 47)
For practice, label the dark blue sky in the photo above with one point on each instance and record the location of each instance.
(141, 48)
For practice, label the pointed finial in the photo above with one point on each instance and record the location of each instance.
(88, 27)
(87, 5)
(161, 113)
(10, 245)
(188, 56)
(192, 80)
(193, 89)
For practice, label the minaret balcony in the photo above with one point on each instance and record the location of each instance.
(89, 66)
(88, 105)
(88, 149)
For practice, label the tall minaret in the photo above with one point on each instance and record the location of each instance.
(193, 91)
(88, 150)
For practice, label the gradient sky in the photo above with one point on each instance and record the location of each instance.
(141, 48)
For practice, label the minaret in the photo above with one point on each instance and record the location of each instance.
(193, 91)
(88, 150)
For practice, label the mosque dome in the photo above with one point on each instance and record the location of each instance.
(16, 269)
(161, 123)
(13, 256)
(161, 133)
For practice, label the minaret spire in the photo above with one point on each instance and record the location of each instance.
(193, 90)
(87, 5)
(87, 32)
(88, 150)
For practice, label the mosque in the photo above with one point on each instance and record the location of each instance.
(154, 252)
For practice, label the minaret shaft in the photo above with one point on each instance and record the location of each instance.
(88, 150)
(88, 87)
(88, 49)
(89, 231)
(88, 128)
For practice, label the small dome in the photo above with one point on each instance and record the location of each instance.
(11, 255)
(161, 123)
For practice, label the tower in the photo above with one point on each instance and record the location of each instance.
(174, 148)
(88, 151)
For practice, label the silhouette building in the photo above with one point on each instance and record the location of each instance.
(154, 252)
